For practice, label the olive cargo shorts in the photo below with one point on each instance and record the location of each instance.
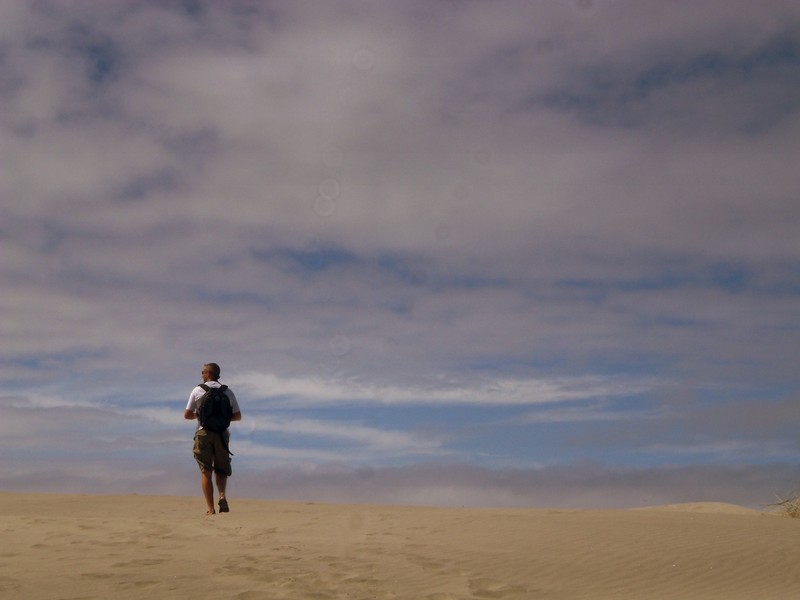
(210, 452)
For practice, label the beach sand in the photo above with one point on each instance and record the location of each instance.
(85, 547)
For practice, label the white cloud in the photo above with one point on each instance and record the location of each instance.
(348, 432)
(444, 392)
(592, 414)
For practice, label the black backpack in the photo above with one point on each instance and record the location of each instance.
(214, 410)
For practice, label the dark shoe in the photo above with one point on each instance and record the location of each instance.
(223, 505)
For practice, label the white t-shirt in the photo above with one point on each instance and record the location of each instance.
(199, 392)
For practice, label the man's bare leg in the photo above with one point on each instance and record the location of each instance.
(208, 490)
(222, 483)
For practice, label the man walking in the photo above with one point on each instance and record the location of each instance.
(211, 447)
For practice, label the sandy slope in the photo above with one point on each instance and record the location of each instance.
(82, 547)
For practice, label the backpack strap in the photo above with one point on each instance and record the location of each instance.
(207, 388)
(200, 406)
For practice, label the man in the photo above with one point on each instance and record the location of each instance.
(211, 448)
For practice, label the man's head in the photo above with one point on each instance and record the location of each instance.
(210, 372)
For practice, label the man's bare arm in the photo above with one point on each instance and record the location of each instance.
(237, 416)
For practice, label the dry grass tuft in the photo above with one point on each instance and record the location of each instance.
(788, 507)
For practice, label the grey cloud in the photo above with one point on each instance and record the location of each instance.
(665, 93)
(733, 430)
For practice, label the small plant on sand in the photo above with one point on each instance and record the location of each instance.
(788, 507)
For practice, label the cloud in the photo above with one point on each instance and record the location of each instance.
(502, 234)
(491, 392)
(376, 441)
(587, 414)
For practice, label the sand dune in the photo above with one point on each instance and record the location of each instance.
(86, 547)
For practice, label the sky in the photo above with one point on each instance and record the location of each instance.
(451, 253)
